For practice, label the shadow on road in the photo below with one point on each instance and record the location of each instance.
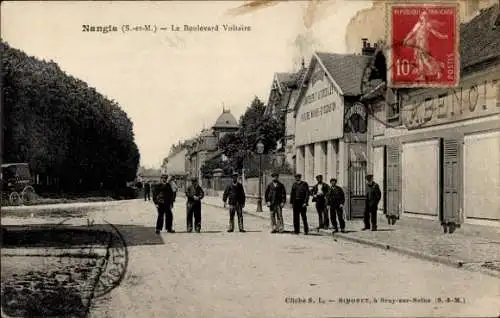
(65, 236)
(52, 235)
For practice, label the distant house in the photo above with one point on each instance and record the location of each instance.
(282, 97)
(205, 145)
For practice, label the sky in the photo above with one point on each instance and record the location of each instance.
(173, 84)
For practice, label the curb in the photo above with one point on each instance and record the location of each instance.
(401, 250)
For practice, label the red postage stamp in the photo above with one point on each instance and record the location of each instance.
(424, 45)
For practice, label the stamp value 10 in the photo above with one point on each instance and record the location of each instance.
(424, 45)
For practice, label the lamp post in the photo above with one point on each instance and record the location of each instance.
(260, 151)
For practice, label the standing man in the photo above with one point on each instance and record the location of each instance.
(174, 187)
(235, 194)
(275, 199)
(299, 199)
(163, 198)
(194, 195)
(319, 192)
(147, 191)
(335, 201)
(373, 195)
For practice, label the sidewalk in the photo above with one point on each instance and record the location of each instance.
(472, 247)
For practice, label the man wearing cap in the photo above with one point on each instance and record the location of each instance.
(373, 196)
(299, 199)
(335, 200)
(235, 196)
(275, 197)
(194, 195)
(319, 192)
(163, 198)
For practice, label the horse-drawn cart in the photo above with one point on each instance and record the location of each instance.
(17, 184)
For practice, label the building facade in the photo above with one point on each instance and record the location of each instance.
(282, 99)
(437, 152)
(205, 145)
(330, 125)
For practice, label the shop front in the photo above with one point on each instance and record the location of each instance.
(443, 161)
(331, 126)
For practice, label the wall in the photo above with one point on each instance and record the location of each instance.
(321, 112)
(176, 164)
(252, 184)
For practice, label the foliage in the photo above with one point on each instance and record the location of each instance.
(240, 147)
(63, 128)
(213, 163)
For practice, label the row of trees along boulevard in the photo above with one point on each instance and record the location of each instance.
(75, 139)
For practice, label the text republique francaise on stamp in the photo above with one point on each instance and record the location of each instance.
(424, 42)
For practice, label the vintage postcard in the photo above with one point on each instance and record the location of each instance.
(307, 158)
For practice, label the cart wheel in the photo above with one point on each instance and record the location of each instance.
(445, 228)
(393, 220)
(14, 198)
(28, 195)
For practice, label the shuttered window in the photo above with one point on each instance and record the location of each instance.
(393, 185)
(451, 176)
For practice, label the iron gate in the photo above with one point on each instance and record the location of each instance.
(357, 189)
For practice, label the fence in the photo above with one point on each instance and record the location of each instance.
(251, 184)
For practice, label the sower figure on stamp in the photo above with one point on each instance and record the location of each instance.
(235, 196)
(335, 201)
(319, 192)
(373, 196)
(275, 199)
(194, 195)
(299, 199)
(163, 198)
(147, 191)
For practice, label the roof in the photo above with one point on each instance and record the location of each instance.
(345, 69)
(480, 38)
(226, 120)
(285, 78)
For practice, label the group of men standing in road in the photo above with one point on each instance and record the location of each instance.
(329, 202)
(327, 198)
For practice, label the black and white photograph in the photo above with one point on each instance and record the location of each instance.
(221, 159)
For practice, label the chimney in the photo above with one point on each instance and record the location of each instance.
(367, 49)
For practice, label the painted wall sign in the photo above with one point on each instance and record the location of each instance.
(476, 100)
(320, 114)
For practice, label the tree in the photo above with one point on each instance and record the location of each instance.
(63, 128)
(239, 147)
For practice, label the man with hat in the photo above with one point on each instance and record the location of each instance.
(163, 198)
(275, 197)
(234, 194)
(373, 196)
(319, 193)
(299, 199)
(194, 195)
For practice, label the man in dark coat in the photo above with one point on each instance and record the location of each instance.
(373, 196)
(147, 191)
(319, 192)
(299, 199)
(194, 195)
(335, 201)
(275, 199)
(235, 195)
(163, 198)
